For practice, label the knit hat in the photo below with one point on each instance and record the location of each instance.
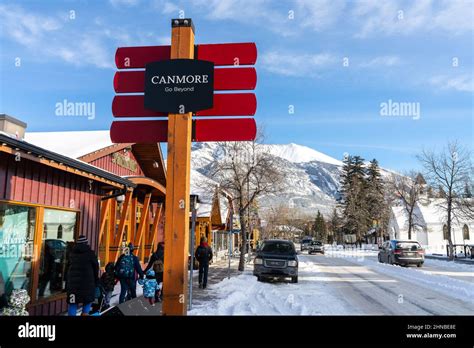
(81, 239)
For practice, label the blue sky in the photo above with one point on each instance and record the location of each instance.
(404, 51)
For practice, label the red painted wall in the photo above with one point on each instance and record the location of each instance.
(107, 164)
(31, 182)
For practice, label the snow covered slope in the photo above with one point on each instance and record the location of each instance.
(311, 178)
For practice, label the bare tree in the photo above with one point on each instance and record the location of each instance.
(407, 188)
(247, 172)
(451, 170)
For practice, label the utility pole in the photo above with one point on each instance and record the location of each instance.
(175, 280)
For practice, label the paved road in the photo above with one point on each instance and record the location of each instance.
(370, 288)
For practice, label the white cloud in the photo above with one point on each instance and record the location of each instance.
(284, 63)
(382, 61)
(123, 3)
(374, 17)
(47, 37)
(26, 28)
(318, 15)
(462, 83)
(457, 16)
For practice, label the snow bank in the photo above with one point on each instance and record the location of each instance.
(244, 295)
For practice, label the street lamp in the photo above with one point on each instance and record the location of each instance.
(194, 200)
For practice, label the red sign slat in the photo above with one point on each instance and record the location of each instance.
(231, 104)
(229, 53)
(225, 79)
(139, 131)
(132, 106)
(240, 129)
(221, 54)
(139, 56)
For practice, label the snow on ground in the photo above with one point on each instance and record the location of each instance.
(244, 295)
(433, 279)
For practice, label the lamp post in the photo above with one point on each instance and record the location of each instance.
(194, 206)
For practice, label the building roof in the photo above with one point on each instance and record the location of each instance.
(72, 144)
(426, 213)
(34, 150)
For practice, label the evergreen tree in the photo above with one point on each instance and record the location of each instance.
(354, 203)
(376, 202)
(319, 228)
(334, 226)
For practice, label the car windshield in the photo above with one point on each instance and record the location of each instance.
(278, 247)
(316, 243)
(408, 245)
(306, 241)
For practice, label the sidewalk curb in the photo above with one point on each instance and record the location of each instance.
(446, 260)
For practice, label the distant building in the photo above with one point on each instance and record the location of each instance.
(431, 229)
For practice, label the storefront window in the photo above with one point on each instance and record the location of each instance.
(17, 226)
(58, 236)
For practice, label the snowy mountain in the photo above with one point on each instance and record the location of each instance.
(311, 178)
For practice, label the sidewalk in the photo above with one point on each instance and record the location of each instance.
(464, 260)
(218, 271)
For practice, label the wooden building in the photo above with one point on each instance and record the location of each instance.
(113, 195)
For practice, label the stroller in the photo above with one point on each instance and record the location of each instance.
(107, 281)
(99, 304)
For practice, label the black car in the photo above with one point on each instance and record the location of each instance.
(402, 252)
(276, 259)
(316, 247)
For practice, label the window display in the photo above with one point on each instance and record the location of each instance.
(17, 228)
(58, 235)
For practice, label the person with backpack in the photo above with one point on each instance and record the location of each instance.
(150, 286)
(83, 277)
(125, 269)
(203, 255)
(157, 264)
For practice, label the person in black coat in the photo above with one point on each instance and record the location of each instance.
(83, 277)
(203, 255)
(159, 254)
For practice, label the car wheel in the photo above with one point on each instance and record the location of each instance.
(294, 279)
(419, 265)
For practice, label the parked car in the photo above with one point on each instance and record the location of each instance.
(305, 243)
(402, 252)
(276, 259)
(316, 247)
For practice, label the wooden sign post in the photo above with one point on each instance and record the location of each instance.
(177, 187)
(187, 85)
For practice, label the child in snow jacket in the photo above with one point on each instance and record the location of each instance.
(150, 286)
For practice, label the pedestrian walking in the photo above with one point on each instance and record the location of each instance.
(157, 264)
(83, 277)
(126, 270)
(204, 256)
(150, 286)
